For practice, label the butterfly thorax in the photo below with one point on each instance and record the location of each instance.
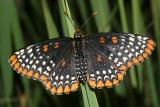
(80, 58)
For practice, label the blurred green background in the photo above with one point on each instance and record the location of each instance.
(23, 22)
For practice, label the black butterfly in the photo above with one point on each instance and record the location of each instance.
(101, 59)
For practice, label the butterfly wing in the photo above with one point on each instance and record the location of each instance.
(41, 61)
(117, 52)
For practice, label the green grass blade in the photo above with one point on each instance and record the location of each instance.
(63, 19)
(138, 27)
(70, 26)
(151, 84)
(85, 89)
(123, 15)
(51, 28)
(19, 43)
(89, 97)
(156, 27)
(5, 50)
(52, 33)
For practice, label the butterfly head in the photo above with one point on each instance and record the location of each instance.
(77, 34)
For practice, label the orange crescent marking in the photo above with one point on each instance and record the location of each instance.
(17, 65)
(20, 69)
(145, 55)
(108, 83)
(59, 90)
(67, 89)
(129, 64)
(122, 67)
(48, 85)
(92, 83)
(14, 61)
(74, 86)
(147, 50)
(115, 81)
(150, 41)
(120, 76)
(150, 46)
(135, 60)
(140, 58)
(30, 73)
(43, 78)
(53, 90)
(24, 71)
(12, 57)
(36, 75)
(100, 84)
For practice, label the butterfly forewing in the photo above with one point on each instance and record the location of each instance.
(44, 60)
(116, 53)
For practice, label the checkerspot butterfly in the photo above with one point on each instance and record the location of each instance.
(100, 59)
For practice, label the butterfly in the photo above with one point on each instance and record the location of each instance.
(100, 59)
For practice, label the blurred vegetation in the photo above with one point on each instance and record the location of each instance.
(23, 22)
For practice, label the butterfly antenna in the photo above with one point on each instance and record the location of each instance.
(89, 18)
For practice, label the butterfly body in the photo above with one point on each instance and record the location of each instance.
(101, 59)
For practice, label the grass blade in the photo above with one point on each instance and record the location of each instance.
(151, 83)
(52, 32)
(5, 50)
(51, 28)
(85, 89)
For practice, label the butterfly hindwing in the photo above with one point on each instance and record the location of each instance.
(117, 52)
(101, 72)
(63, 78)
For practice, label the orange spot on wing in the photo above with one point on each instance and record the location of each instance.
(12, 57)
(108, 83)
(48, 85)
(150, 41)
(20, 69)
(147, 50)
(56, 45)
(53, 90)
(92, 83)
(59, 90)
(135, 60)
(114, 40)
(100, 84)
(67, 89)
(45, 48)
(150, 46)
(36, 75)
(17, 65)
(129, 64)
(102, 40)
(140, 58)
(74, 86)
(30, 73)
(24, 71)
(122, 67)
(115, 81)
(145, 55)
(14, 61)
(43, 78)
(120, 76)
